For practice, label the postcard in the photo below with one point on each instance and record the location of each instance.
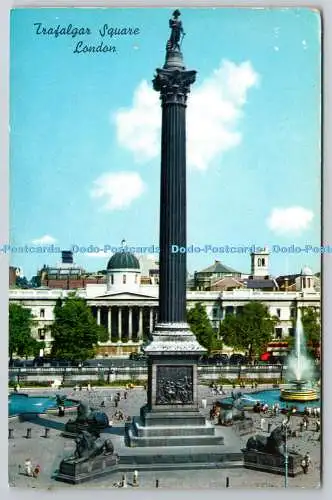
(165, 248)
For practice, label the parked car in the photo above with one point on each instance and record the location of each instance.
(138, 356)
(238, 359)
(221, 358)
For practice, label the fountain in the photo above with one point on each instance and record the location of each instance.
(300, 375)
(24, 404)
(300, 370)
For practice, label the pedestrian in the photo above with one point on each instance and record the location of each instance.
(28, 467)
(36, 471)
(306, 462)
(125, 394)
(262, 424)
(89, 387)
(317, 425)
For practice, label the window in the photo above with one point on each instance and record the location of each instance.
(215, 313)
(291, 332)
(263, 262)
(259, 262)
(136, 278)
(229, 310)
(278, 313)
(112, 279)
(124, 279)
(41, 333)
(42, 313)
(292, 312)
(278, 333)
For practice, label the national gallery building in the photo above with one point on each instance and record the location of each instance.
(125, 302)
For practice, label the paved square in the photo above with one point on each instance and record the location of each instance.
(49, 452)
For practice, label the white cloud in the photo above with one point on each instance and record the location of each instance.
(214, 112)
(118, 190)
(138, 128)
(291, 220)
(44, 240)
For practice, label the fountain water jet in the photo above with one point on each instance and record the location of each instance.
(300, 372)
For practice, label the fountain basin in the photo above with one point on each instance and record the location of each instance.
(302, 395)
(21, 403)
(271, 397)
(299, 390)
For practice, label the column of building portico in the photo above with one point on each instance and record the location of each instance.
(119, 324)
(130, 324)
(109, 324)
(140, 324)
(151, 319)
(98, 315)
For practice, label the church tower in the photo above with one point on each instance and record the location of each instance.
(260, 262)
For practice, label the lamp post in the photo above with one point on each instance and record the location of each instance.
(286, 458)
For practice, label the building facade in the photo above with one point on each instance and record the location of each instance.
(128, 308)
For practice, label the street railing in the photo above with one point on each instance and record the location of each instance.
(143, 369)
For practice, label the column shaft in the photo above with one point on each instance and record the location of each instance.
(109, 322)
(98, 315)
(119, 324)
(172, 287)
(140, 323)
(130, 324)
(151, 319)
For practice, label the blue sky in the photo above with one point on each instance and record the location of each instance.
(85, 130)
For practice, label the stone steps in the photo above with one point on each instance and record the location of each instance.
(172, 439)
(181, 431)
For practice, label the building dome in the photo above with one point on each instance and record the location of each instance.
(123, 260)
(306, 271)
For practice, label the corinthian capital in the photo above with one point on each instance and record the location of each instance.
(173, 85)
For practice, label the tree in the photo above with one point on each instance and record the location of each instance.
(75, 331)
(250, 330)
(201, 326)
(21, 341)
(311, 326)
(22, 282)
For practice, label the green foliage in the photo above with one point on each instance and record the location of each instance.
(311, 325)
(21, 341)
(75, 330)
(200, 325)
(250, 330)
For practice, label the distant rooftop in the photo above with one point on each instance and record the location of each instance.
(218, 267)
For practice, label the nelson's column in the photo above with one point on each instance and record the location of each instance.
(171, 416)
